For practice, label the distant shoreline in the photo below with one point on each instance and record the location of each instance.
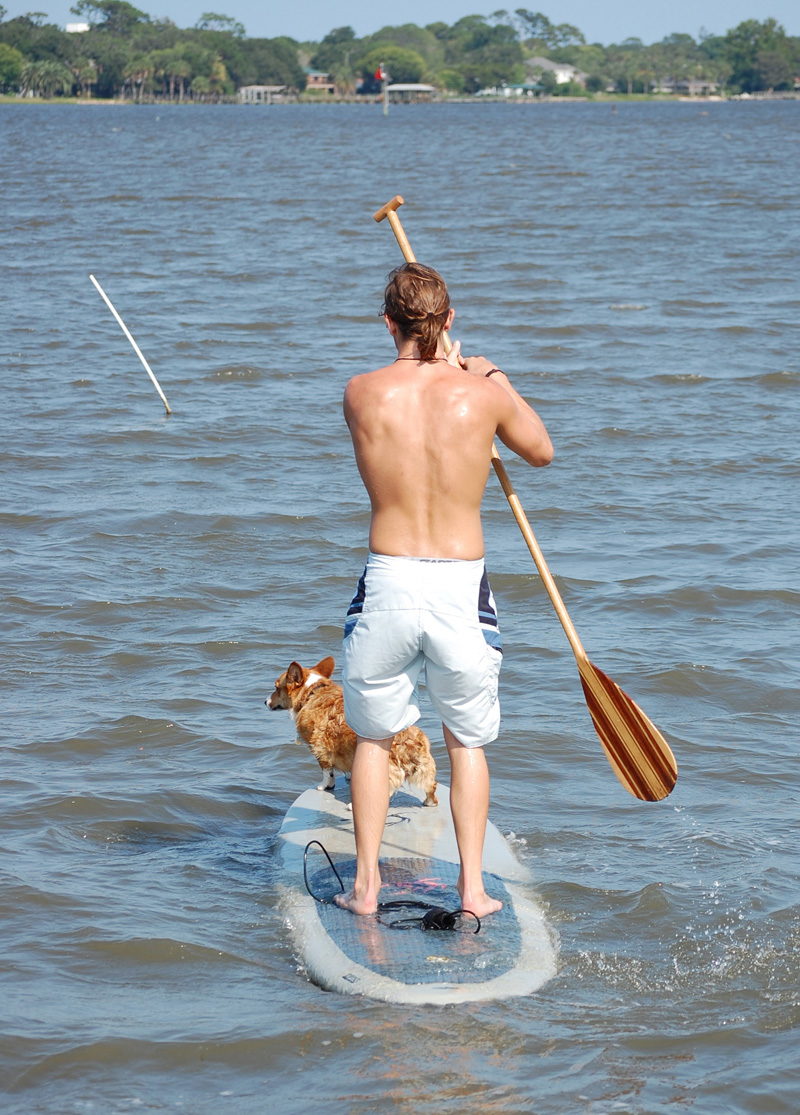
(597, 99)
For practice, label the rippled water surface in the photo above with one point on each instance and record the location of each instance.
(635, 272)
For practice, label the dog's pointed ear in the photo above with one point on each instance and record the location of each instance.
(294, 675)
(325, 667)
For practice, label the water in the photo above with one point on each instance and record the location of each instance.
(634, 270)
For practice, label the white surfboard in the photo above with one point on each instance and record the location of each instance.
(512, 954)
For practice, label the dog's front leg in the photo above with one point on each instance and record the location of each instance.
(328, 779)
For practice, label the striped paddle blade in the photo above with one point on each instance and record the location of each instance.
(639, 755)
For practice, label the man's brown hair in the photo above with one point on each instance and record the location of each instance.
(417, 301)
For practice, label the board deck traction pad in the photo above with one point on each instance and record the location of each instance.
(416, 955)
(512, 954)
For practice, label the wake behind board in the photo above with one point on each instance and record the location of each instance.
(512, 954)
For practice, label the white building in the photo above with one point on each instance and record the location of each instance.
(563, 72)
(260, 94)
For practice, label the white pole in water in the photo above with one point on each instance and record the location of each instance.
(136, 348)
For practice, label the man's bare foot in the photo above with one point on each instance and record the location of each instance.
(357, 904)
(480, 904)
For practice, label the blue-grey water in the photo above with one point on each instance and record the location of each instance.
(635, 272)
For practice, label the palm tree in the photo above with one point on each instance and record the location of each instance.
(160, 63)
(181, 72)
(45, 79)
(201, 88)
(138, 74)
(219, 79)
(84, 70)
(174, 69)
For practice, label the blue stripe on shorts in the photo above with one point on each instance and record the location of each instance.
(356, 604)
(487, 616)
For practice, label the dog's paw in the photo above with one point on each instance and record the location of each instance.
(328, 780)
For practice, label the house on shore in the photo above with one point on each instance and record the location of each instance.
(562, 72)
(319, 82)
(687, 87)
(537, 69)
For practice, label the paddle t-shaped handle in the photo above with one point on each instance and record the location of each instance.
(389, 212)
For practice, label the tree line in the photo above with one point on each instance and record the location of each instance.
(126, 54)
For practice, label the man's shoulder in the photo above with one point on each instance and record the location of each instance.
(367, 380)
(365, 390)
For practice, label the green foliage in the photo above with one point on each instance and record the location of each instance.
(411, 37)
(541, 35)
(484, 54)
(37, 43)
(337, 50)
(11, 63)
(84, 73)
(756, 52)
(211, 21)
(340, 35)
(401, 65)
(110, 56)
(117, 17)
(490, 65)
(570, 89)
(774, 69)
(265, 62)
(128, 52)
(46, 79)
(451, 80)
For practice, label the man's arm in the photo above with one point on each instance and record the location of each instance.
(519, 427)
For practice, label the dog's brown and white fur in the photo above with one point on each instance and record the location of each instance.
(317, 707)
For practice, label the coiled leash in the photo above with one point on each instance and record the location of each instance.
(435, 918)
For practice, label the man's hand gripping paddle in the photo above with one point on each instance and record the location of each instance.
(639, 755)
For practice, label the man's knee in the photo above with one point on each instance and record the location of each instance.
(455, 744)
(385, 743)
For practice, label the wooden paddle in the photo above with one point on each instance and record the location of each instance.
(639, 755)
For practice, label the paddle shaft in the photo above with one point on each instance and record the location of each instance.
(639, 755)
(389, 212)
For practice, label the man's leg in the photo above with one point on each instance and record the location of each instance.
(369, 788)
(469, 803)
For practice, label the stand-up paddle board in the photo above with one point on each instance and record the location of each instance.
(390, 956)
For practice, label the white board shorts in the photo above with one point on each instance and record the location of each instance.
(429, 619)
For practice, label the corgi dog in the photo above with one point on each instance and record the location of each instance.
(317, 707)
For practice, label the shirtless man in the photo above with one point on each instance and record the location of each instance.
(422, 431)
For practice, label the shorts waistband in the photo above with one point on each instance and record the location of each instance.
(396, 561)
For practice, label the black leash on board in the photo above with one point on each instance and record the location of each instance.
(431, 917)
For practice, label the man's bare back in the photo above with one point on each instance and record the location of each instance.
(422, 435)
